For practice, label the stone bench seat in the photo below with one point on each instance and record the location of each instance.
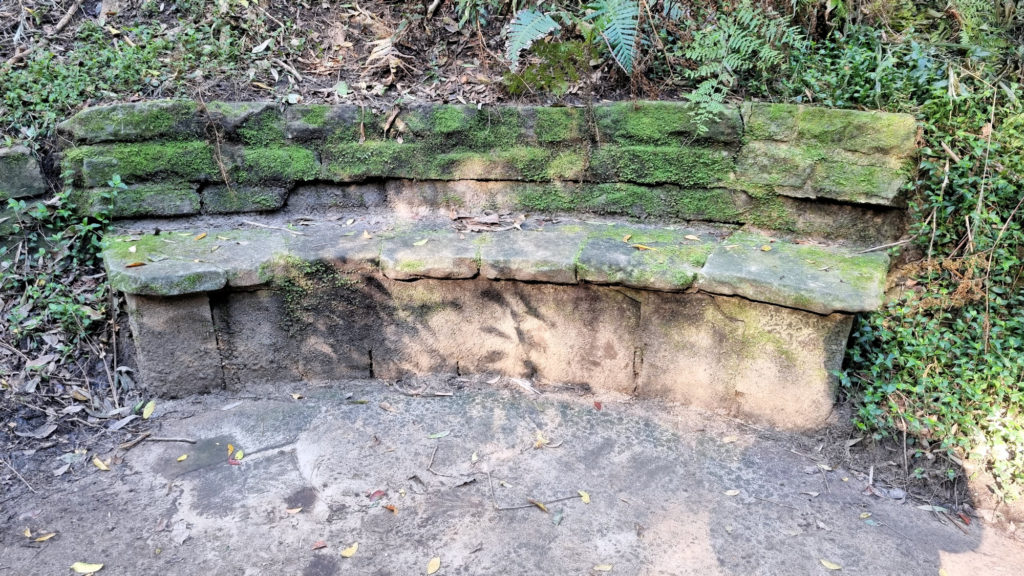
(615, 247)
(717, 260)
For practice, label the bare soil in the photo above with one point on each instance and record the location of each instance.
(484, 476)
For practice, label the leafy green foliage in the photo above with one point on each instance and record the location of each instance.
(527, 27)
(749, 43)
(945, 359)
(616, 23)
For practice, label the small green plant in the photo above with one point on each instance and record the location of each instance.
(747, 43)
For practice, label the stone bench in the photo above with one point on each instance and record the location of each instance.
(605, 247)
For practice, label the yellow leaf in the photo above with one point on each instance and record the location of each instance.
(239, 455)
(366, 235)
(830, 565)
(627, 237)
(147, 410)
(766, 248)
(46, 537)
(84, 568)
(231, 450)
(434, 565)
(182, 457)
(732, 492)
(296, 396)
(99, 464)
(864, 515)
(642, 247)
(538, 504)
(584, 496)
(420, 242)
(27, 533)
(603, 568)
(692, 237)
(200, 236)
(350, 551)
(294, 510)
(541, 441)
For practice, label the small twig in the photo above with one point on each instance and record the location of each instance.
(738, 421)
(287, 68)
(884, 246)
(955, 523)
(824, 478)
(129, 445)
(67, 18)
(160, 439)
(430, 466)
(251, 223)
(15, 350)
(776, 502)
(20, 477)
(432, 8)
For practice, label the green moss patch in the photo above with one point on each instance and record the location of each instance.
(94, 166)
(169, 119)
(281, 164)
(686, 166)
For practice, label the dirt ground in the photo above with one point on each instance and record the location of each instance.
(486, 477)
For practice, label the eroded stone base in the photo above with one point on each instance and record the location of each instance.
(760, 361)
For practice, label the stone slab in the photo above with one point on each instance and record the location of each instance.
(20, 176)
(147, 120)
(175, 344)
(532, 254)
(221, 199)
(768, 363)
(429, 253)
(806, 277)
(646, 258)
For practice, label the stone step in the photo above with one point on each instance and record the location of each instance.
(713, 259)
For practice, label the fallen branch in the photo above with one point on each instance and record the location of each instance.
(20, 477)
(67, 17)
(251, 223)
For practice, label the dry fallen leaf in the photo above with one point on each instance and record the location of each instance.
(182, 458)
(538, 504)
(864, 515)
(147, 411)
(366, 235)
(239, 455)
(434, 565)
(732, 492)
(27, 533)
(392, 508)
(692, 237)
(294, 510)
(437, 435)
(84, 568)
(541, 441)
(231, 450)
(350, 551)
(641, 247)
(729, 439)
(319, 544)
(296, 396)
(99, 464)
(200, 236)
(45, 537)
(584, 496)
(830, 565)
(627, 237)
(132, 249)
(766, 248)
(134, 264)
(420, 242)
(603, 568)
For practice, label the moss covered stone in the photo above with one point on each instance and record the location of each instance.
(163, 119)
(559, 125)
(856, 131)
(157, 199)
(267, 128)
(686, 166)
(221, 199)
(661, 124)
(644, 258)
(94, 166)
(20, 176)
(284, 164)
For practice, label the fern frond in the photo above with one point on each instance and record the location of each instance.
(617, 22)
(527, 27)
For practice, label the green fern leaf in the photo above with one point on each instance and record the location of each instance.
(527, 27)
(617, 22)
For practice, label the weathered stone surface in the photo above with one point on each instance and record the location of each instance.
(166, 278)
(343, 246)
(148, 120)
(221, 199)
(175, 344)
(797, 276)
(852, 130)
(20, 176)
(652, 259)
(768, 363)
(532, 255)
(311, 199)
(683, 165)
(429, 254)
(416, 198)
(137, 200)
